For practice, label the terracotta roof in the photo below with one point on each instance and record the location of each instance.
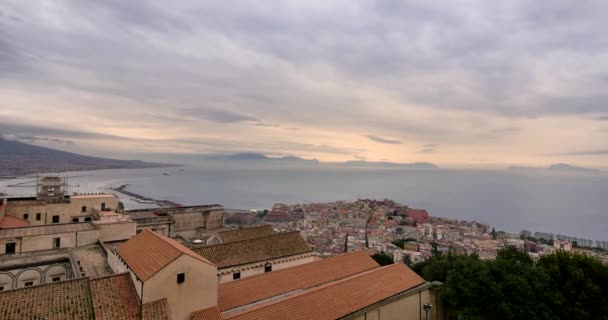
(55, 301)
(337, 299)
(245, 234)
(11, 222)
(149, 252)
(254, 250)
(156, 310)
(212, 313)
(114, 297)
(239, 293)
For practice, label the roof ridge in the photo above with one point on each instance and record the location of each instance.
(312, 290)
(109, 276)
(266, 236)
(47, 284)
(281, 271)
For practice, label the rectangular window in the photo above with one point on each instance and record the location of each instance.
(103, 206)
(1, 288)
(26, 216)
(55, 219)
(236, 276)
(268, 268)
(181, 277)
(56, 242)
(83, 209)
(10, 248)
(56, 279)
(38, 216)
(74, 219)
(29, 283)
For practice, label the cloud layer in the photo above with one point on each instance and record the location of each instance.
(491, 82)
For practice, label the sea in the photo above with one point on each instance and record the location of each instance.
(574, 204)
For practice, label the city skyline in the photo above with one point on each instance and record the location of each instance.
(464, 83)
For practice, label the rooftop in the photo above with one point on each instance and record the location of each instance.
(45, 229)
(245, 234)
(257, 288)
(149, 252)
(254, 250)
(92, 195)
(8, 222)
(106, 298)
(355, 293)
(69, 299)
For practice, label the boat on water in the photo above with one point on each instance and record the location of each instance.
(167, 174)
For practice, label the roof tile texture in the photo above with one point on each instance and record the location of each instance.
(239, 293)
(114, 297)
(254, 250)
(56, 301)
(338, 299)
(156, 310)
(149, 252)
(212, 313)
(245, 234)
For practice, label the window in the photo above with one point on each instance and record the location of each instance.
(56, 242)
(87, 219)
(1, 288)
(55, 219)
(10, 248)
(83, 209)
(56, 279)
(236, 276)
(268, 268)
(181, 277)
(74, 219)
(38, 216)
(26, 216)
(29, 283)
(103, 206)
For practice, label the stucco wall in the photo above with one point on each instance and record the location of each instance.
(116, 231)
(199, 290)
(248, 270)
(405, 308)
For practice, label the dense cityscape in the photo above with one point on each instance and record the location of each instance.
(405, 233)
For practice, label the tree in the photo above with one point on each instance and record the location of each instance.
(382, 258)
(493, 234)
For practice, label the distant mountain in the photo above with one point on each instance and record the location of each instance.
(558, 167)
(257, 157)
(415, 165)
(17, 158)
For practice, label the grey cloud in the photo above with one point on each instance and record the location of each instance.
(216, 115)
(597, 152)
(427, 150)
(602, 118)
(431, 145)
(382, 140)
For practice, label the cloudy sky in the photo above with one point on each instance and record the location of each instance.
(457, 83)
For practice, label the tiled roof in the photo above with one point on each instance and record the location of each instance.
(254, 250)
(245, 234)
(239, 293)
(337, 299)
(8, 222)
(149, 252)
(212, 313)
(55, 301)
(156, 310)
(45, 229)
(114, 297)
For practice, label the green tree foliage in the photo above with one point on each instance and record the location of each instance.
(559, 286)
(383, 259)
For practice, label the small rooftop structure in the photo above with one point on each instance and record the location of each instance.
(253, 250)
(148, 252)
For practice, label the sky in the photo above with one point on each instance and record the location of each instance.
(455, 83)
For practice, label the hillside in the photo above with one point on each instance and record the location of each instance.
(18, 158)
